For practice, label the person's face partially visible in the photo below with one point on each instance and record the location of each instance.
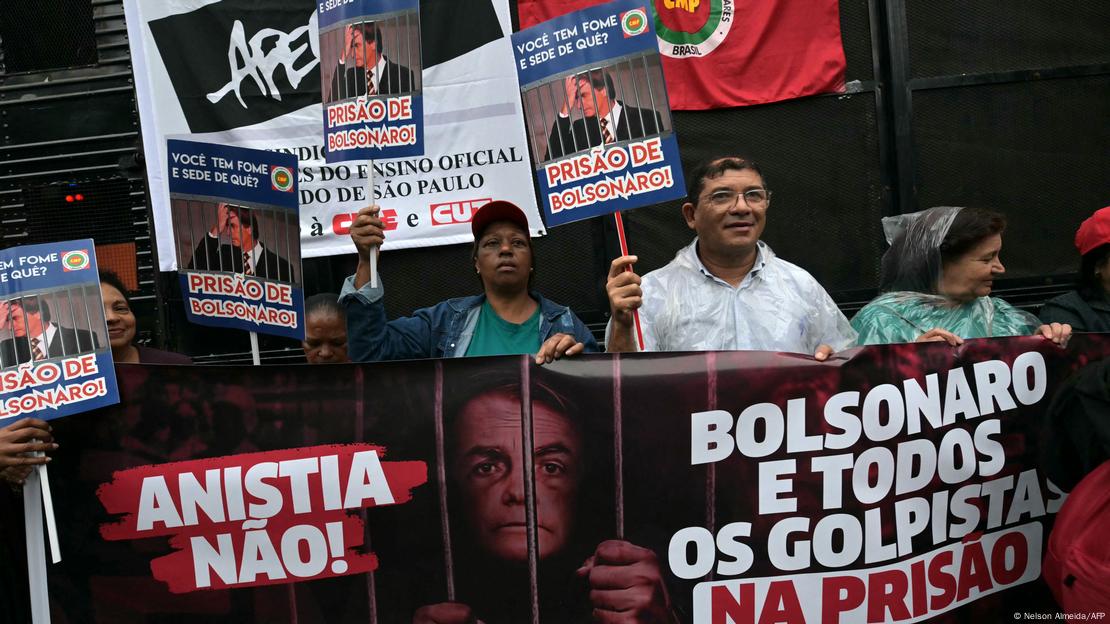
(358, 48)
(11, 320)
(15, 321)
(240, 230)
(490, 472)
(118, 316)
(587, 94)
(504, 260)
(364, 54)
(734, 227)
(325, 338)
(972, 275)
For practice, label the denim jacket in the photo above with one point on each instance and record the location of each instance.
(441, 331)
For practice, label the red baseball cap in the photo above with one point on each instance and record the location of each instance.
(498, 210)
(1093, 232)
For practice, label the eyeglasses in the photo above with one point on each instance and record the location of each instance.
(724, 198)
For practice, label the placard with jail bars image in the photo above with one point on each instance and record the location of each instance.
(370, 80)
(207, 229)
(599, 125)
(55, 355)
(235, 216)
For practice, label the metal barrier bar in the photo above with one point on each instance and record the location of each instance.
(528, 466)
(360, 435)
(441, 484)
(618, 446)
(597, 115)
(558, 131)
(651, 94)
(711, 468)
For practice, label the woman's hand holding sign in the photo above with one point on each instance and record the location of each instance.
(558, 346)
(1056, 332)
(367, 231)
(367, 234)
(18, 442)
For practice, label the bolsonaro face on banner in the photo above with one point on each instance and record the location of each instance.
(490, 470)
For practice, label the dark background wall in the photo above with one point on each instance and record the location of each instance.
(1001, 105)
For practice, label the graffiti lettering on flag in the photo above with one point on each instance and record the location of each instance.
(268, 49)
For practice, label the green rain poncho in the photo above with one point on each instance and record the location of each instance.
(910, 306)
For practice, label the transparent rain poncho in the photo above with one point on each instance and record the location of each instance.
(910, 304)
(778, 307)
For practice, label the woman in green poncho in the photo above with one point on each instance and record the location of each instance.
(936, 281)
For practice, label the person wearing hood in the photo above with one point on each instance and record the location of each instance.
(937, 279)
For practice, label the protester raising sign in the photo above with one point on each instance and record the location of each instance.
(596, 107)
(373, 107)
(895, 484)
(236, 237)
(54, 354)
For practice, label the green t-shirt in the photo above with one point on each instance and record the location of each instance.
(494, 335)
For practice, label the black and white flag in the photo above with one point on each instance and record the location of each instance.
(245, 73)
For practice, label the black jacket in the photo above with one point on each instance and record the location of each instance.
(634, 123)
(1082, 314)
(1077, 432)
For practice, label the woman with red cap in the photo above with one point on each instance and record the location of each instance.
(507, 318)
(1087, 309)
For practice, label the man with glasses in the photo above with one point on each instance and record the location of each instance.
(726, 290)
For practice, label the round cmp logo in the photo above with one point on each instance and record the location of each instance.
(692, 28)
(75, 260)
(634, 22)
(281, 178)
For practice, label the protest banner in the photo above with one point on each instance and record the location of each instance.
(243, 73)
(892, 483)
(724, 53)
(235, 220)
(373, 103)
(599, 124)
(55, 359)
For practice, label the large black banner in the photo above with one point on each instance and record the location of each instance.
(895, 483)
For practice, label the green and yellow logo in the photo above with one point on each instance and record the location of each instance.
(692, 28)
(75, 260)
(281, 178)
(634, 22)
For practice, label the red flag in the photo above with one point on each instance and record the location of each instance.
(721, 53)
